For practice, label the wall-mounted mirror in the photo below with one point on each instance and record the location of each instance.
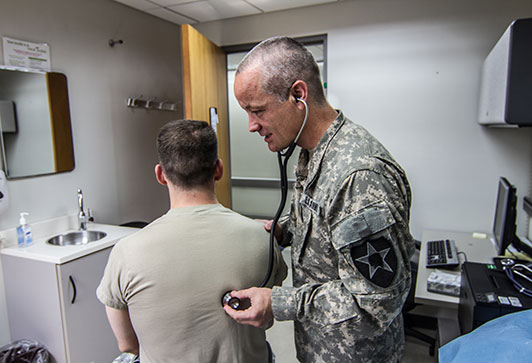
(36, 135)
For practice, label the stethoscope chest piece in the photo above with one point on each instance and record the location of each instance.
(233, 302)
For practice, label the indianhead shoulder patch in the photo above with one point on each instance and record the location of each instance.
(375, 260)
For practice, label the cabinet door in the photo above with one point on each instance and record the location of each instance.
(89, 337)
(33, 305)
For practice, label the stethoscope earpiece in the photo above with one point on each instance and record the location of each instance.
(304, 120)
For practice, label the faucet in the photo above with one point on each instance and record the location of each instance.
(82, 217)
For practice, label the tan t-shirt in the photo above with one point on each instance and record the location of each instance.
(172, 274)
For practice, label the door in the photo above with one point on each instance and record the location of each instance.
(204, 79)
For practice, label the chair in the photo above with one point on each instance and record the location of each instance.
(410, 318)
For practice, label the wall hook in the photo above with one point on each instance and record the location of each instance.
(167, 105)
(151, 104)
(112, 42)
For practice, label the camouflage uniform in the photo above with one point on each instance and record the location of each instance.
(351, 246)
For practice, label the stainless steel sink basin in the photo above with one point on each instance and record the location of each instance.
(76, 238)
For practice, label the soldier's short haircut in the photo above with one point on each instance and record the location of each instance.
(281, 62)
(188, 152)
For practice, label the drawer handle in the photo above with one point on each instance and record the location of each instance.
(73, 288)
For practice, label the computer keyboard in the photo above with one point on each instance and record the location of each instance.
(442, 254)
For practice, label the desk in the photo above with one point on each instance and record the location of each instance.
(476, 250)
(444, 307)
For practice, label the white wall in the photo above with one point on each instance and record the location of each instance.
(114, 145)
(409, 71)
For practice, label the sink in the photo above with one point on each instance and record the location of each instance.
(76, 238)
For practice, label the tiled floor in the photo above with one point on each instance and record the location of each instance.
(281, 338)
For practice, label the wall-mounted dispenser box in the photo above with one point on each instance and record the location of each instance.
(506, 84)
(7, 116)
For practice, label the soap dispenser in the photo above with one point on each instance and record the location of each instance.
(24, 231)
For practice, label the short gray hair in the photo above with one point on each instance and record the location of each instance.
(283, 61)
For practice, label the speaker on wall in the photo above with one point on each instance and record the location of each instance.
(506, 83)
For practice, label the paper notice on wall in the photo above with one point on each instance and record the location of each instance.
(24, 54)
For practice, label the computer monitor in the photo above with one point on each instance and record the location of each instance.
(505, 215)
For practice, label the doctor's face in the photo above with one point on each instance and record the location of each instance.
(275, 121)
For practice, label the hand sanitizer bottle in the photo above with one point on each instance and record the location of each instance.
(24, 231)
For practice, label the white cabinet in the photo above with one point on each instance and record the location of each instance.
(56, 305)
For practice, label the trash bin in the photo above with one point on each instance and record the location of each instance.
(24, 350)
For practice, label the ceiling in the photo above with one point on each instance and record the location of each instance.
(200, 11)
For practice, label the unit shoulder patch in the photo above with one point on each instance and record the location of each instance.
(375, 260)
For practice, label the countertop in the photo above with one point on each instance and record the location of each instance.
(42, 251)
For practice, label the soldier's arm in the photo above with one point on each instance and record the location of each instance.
(123, 330)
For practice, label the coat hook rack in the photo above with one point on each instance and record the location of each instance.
(151, 104)
(112, 42)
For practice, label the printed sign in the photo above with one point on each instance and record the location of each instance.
(23, 54)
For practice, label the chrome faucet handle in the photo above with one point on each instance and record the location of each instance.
(82, 218)
(80, 200)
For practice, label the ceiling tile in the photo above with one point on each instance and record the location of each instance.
(167, 3)
(274, 5)
(171, 16)
(194, 11)
(215, 9)
(138, 4)
(234, 8)
(201, 11)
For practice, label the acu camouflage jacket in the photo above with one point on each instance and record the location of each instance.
(351, 246)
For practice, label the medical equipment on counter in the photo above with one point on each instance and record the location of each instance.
(492, 290)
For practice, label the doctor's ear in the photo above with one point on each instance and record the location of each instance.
(299, 91)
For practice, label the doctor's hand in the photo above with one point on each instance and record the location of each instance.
(268, 228)
(259, 314)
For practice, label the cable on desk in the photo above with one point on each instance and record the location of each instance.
(462, 253)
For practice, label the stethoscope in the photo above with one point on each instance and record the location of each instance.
(282, 160)
(511, 268)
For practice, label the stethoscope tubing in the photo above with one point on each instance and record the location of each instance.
(282, 160)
